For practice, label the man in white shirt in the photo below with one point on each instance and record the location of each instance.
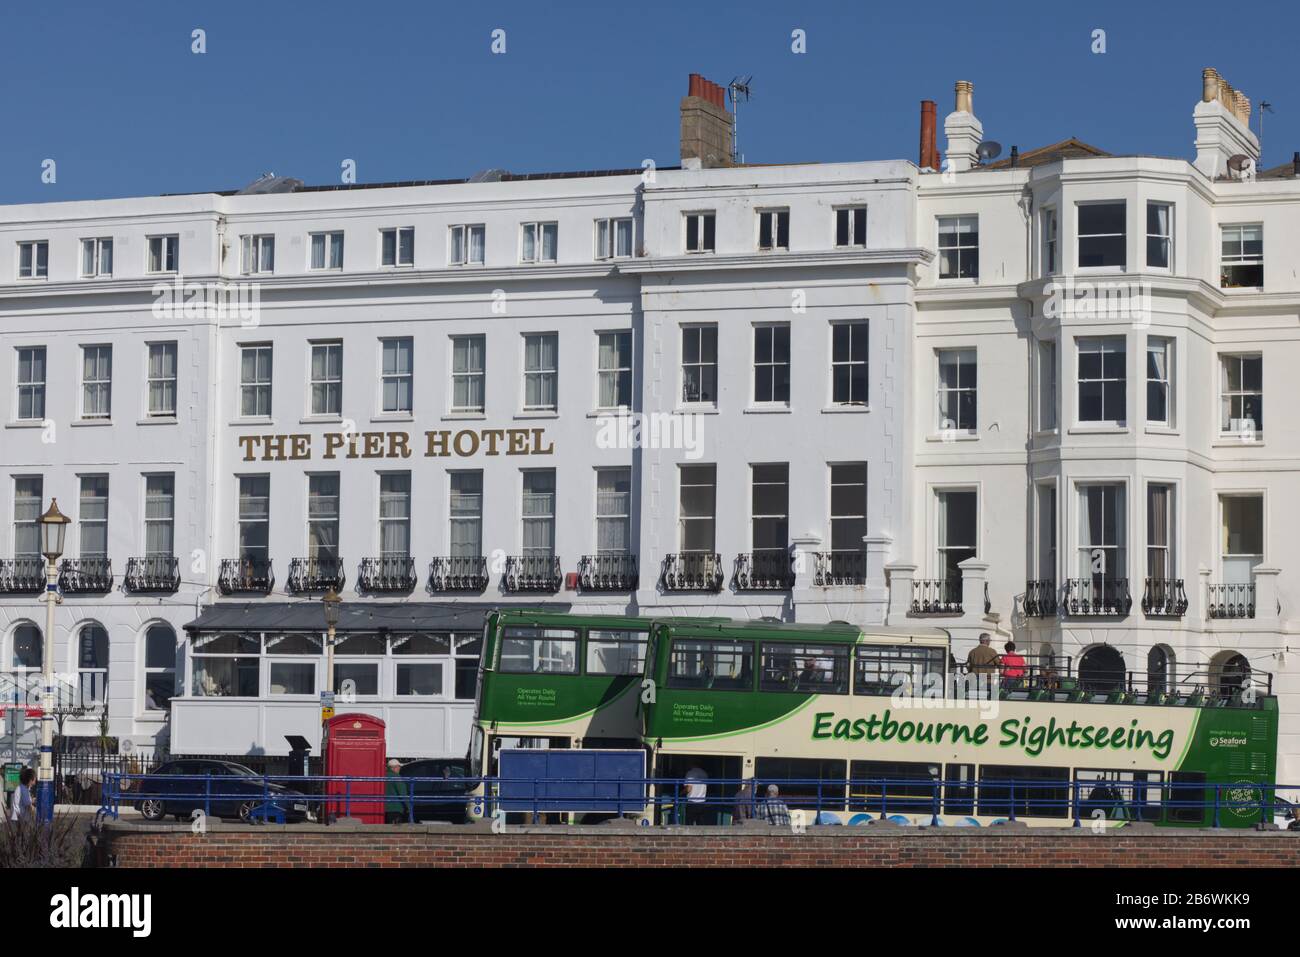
(697, 795)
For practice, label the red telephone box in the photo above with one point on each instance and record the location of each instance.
(355, 747)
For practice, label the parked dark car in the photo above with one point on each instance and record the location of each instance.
(444, 798)
(179, 788)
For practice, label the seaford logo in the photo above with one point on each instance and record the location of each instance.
(1013, 733)
(75, 910)
(207, 300)
(1228, 741)
(656, 430)
(1127, 300)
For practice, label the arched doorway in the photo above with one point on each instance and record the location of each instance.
(1102, 669)
(1159, 667)
(1229, 673)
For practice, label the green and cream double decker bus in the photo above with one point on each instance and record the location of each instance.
(856, 725)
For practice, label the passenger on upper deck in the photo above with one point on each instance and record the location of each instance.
(1013, 666)
(982, 660)
(774, 810)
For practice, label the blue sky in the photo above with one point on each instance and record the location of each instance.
(411, 90)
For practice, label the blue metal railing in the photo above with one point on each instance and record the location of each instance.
(670, 801)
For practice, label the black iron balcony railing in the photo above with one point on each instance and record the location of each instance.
(388, 573)
(153, 573)
(1097, 596)
(609, 573)
(464, 573)
(320, 574)
(764, 571)
(92, 576)
(22, 576)
(936, 596)
(535, 573)
(1040, 598)
(840, 568)
(693, 571)
(1164, 597)
(246, 576)
(1236, 600)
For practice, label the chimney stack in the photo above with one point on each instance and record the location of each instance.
(929, 154)
(963, 130)
(1222, 121)
(707, 130)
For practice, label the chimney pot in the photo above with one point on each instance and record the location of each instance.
(965, 91)
(928, 150)
(693, 87)
(707, 135)
(1015, 155)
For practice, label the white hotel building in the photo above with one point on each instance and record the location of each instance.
(810, 392)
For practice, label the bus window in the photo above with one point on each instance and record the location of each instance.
(820, 669)
(1186, 800)
(615, 652)
(1119, 795)
(902, 786)
(1039, 792)
(720, 665)
(882, 668)
(959, 789)
(529, 651)
(802, 780)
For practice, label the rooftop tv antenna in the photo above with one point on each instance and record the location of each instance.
(1264, 107)
(738, 88)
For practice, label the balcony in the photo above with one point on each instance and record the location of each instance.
(936, 596)
(309, 575)
(160, 574)
(465, 573)
(22, 576)
(609, 573)
(532, 573)
(389, 573)
(86, 576)
(246, 576)
(1097, 597)
(764, 571)
(1040, 598)
(839, 568)
(1235, 600)
(1164, 598)
(693, 571)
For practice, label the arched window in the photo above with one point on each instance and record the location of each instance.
(1157, 669)
(92, 665)
(27, 648)
(1101, 669)
(1232, 673)
(159, 667)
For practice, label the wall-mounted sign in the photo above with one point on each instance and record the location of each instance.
(438, 443)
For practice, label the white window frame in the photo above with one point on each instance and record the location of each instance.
(83, 522)
(1050, 224)
(854, 213)
(1166, 238)
(19, 524)
(397, 376)
(146, 670)
(856, 328)
(526, 517)
(1227, 396)
(257, 385)
(408, 498)
(1080, 236)
(252, 518)
(769, 367)
(772, 219)
(1240, 258)
(35, 248)
(168, 251)
(699, 328)
(463, 234)
(151, 379)
(608, 246)
(962, 247)
(540, 373)
(1084, 551)
(101, 385)
(697, 468)
(618, 371)
(398, 233)
(605, 515)
(967, 356)
(480, 374)
(331, 240)
(1049, 410)
(318, 505)
(942, 545)
(34, 386)
(463, 515)
(149, 520)
(538, 231)
(1169, 547)
(1166, 344)
(694, 226)
(95, 248)
(327, 381)
(257, 254)
(1104, 346)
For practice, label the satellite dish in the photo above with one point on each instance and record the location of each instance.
(125, 746)
(989, 149)
(1238, 162)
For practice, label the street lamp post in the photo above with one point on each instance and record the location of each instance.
(54, 526)
(331, 600)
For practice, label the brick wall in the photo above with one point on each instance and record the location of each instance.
(231, 845)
